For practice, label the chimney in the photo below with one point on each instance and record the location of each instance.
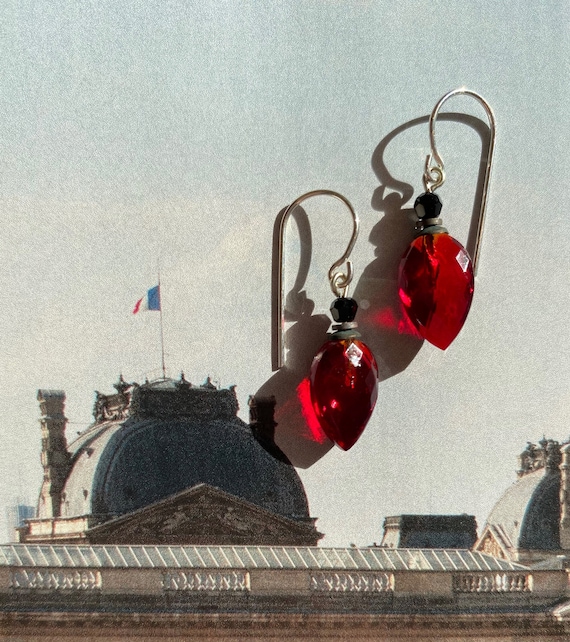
(565, 497)
(263, 424)
(261, 410)
(54, 457)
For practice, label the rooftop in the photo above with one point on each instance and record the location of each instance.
(251, 557)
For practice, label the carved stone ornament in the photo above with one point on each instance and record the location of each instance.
(544, 455)
(204, 515)
(492, 547)
(113, 407)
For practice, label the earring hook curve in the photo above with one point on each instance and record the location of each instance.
(434, 175)
(338, 279)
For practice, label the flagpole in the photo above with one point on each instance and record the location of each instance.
(161, 328)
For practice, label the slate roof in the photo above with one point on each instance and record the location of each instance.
(177, 437)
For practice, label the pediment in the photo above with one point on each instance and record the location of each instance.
(494, 543)
(204, 515)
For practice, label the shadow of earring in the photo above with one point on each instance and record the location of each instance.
(384, 327)
(298, 433)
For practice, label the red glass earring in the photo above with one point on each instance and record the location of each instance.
(343, 378)
(436, 277)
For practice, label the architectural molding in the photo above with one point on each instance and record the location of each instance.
(493, 542)
(204, 515)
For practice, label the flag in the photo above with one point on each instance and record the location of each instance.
(150, 301)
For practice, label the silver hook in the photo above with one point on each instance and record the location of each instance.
(339, 280)
(434, 176)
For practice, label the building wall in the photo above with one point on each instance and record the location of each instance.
(276, 604)
(261, 627)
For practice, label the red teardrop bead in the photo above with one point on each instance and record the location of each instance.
(436, 286)
(344, 388)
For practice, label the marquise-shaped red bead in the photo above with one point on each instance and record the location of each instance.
(436, 287)
(344, 389)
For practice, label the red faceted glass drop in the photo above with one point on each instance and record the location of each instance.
(344, 388)
(436, 287)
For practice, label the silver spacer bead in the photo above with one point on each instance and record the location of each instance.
(347, 325)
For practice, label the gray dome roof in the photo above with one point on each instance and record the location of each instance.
(529, 511)
(177, 436)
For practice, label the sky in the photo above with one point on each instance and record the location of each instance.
(145, 136)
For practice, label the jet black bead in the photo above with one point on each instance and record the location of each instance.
(428, 206)
(344, 309)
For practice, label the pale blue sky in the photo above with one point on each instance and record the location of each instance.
(133, 131)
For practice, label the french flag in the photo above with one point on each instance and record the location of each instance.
(150, 301)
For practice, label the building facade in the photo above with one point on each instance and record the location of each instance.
(170, 518)
(274, 593)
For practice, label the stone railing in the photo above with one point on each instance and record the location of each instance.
(352, 582)
(492, 582)
(140, 581)
(56, 579)
(204, 581)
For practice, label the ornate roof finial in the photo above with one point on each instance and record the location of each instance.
(208, 384)
(182, 383)
(121, 385)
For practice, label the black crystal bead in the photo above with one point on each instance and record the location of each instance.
(428, 205)
(344, 309)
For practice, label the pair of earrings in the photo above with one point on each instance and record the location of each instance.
(435, 286)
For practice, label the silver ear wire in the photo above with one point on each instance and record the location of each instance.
(434, 175)
(338, 279)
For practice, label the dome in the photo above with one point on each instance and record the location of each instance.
(168, 437)
(528, 513)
